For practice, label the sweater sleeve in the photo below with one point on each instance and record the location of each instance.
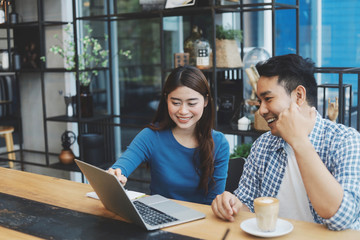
(221, 161)
(139, 150)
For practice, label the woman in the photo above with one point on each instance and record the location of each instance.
(188, 159)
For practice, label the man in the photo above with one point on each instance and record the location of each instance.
(312, 165)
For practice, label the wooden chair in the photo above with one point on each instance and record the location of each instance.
(6, 132)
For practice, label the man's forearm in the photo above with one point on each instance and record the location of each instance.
(324, 192)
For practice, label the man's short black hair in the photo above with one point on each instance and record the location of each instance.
(293, 70)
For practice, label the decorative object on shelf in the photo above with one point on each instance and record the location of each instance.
(189, 44)
(149, 5)
(181, 59)
(93, 148)
(179, 3)
(253, 76)
(16, 60)
(92, 53)
(252, 104)
(13, 16)
(3, 11)
(226, 104)
(74, 105)
(86, 101)
(227, 51)
(5, 60)
(333, 109)
(30, 57)
(27, 44)
(244, 124)
(250, 107)
(67, 156)
(92, 56)
(69, 105)
(251, 58)
(260, 123)
(339, 110)
(202, 53)
(2, 16)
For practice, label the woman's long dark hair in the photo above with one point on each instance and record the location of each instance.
(193, 78)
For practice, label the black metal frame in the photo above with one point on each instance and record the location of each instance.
(341, 86)
(107, 125)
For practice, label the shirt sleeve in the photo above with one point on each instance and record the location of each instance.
(139, 150)
(221, 162)
(347, 172)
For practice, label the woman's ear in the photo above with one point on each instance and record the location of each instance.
(206, 100)
(299, 95)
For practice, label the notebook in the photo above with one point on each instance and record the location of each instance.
(150, 212)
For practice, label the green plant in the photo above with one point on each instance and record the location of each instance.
(242, 150)
(92, 55)
(228, 33)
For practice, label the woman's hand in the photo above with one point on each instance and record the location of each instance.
(117, 173)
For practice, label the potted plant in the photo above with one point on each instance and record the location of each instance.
(92, 56)
(227, 52)
(241, 151)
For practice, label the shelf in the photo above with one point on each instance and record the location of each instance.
(209, 70)
(189, 11)
(227, 129)
(136, 78)
(126, 121)
(37, 158)
(31, 24)
(64, 118)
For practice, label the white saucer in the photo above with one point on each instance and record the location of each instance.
(282, 227)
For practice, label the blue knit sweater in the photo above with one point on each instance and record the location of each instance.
(173, 174)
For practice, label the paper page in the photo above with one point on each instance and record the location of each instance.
(131, 194)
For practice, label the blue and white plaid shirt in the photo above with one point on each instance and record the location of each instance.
(339, 148)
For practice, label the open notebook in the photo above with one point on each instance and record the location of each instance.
(131, 194)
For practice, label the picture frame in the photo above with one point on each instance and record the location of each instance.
(179, 3)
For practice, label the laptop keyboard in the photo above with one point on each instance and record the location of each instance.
(151, 215)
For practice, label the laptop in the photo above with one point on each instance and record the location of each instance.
(150, 212)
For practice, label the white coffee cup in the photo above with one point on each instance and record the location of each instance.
(266, 211)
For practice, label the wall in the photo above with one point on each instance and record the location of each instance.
(55, 86)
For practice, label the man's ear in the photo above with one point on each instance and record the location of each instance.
(299, 95)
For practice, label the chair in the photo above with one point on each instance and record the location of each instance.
(235, 170)
(6, 132)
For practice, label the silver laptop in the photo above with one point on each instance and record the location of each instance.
(150, 212)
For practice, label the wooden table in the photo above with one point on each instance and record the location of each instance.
(71, 195)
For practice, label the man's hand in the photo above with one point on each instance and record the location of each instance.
(295, 124)
(117, 173)
(226, 206)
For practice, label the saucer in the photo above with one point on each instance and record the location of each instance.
(282, 227)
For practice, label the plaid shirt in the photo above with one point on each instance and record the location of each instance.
(338, 147)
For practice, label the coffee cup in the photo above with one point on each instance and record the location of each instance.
(266, 211)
